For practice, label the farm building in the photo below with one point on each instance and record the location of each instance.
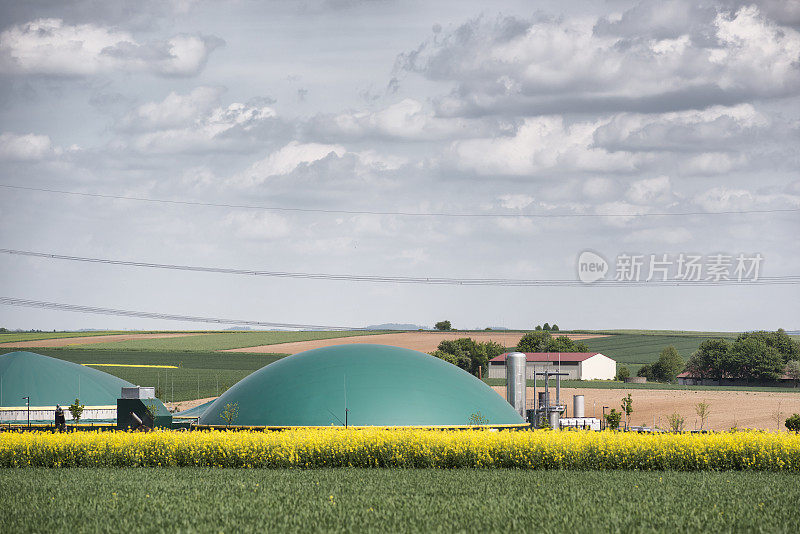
(50, 381)
(361, 385)
(577, 365)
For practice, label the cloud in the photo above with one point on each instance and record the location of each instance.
(51, 47)
(407, 120)
(542, 144)
(296, 160)
(720, 128)
(197, 121)
(731, 199)
(24, 147)
(649, 190)
(540, 66)
(257, 226)
(669, 235)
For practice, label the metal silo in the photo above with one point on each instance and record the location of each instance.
(515, 381)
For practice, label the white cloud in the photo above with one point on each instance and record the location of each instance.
(541, 144)
(718, 127)
(25, 147)
(668, 235)
(649, 190)
(193, 121)
(408, 119)
(510, 65)
(598, 187)
(295, 156)
(50, 46)
(257, 226)
(516, 201)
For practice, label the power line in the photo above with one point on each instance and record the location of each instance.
(510, 282)
(10, 301)
(396, 213)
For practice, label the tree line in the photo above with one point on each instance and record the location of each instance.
(471, 355)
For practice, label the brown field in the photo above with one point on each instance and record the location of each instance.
(743, 409)
(422, 341)
(67, 341)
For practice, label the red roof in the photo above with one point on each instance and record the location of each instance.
(551, 356)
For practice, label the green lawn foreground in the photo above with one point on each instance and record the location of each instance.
(386, 500)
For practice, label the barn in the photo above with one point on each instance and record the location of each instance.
(577, 365)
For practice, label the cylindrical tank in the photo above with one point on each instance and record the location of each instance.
(577, 406)
(515, 381)
(554, 417)
(543, 399)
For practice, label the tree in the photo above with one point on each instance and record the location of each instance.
(534, 342)
(613, 418)
(753, 359)
(546, 326)
(668, 366)
(443, 325)
(702, 411)
(793, 423)
(622, 373)
(676, 422)
(76, 409)
(468, 354)
(230, 413)
(712, 360)
(554, 328)
(793, 371)
(665, 369)
(627, 409)
(788, 348)
(543, 341)
(538, 327)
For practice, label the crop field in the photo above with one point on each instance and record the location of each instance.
(395, 500)
(12, 337)
(197, 374)
(405, 448)
(635, 350)
(228, 340)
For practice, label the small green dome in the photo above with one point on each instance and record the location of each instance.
(378, 384)
(50, 381)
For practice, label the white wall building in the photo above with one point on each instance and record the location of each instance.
(577, 365)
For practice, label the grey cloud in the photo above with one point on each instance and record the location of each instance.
(541, 65)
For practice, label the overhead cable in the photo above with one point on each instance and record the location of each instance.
(11, 301)
(429, 280)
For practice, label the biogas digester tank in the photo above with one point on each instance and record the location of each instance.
(365, 385)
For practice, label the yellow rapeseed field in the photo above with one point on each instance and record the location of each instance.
(376, 447)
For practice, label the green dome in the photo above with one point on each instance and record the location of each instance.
(50, 381)
(379, 385)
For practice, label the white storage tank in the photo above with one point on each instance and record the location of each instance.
(515, 381)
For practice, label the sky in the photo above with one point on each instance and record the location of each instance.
(458, 140)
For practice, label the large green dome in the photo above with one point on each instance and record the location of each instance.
(379, 385)
(50, 381)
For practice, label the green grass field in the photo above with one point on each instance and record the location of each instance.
(200, 374)
(386, 500)
(635, 350)
(227, 340)
(14, 337)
